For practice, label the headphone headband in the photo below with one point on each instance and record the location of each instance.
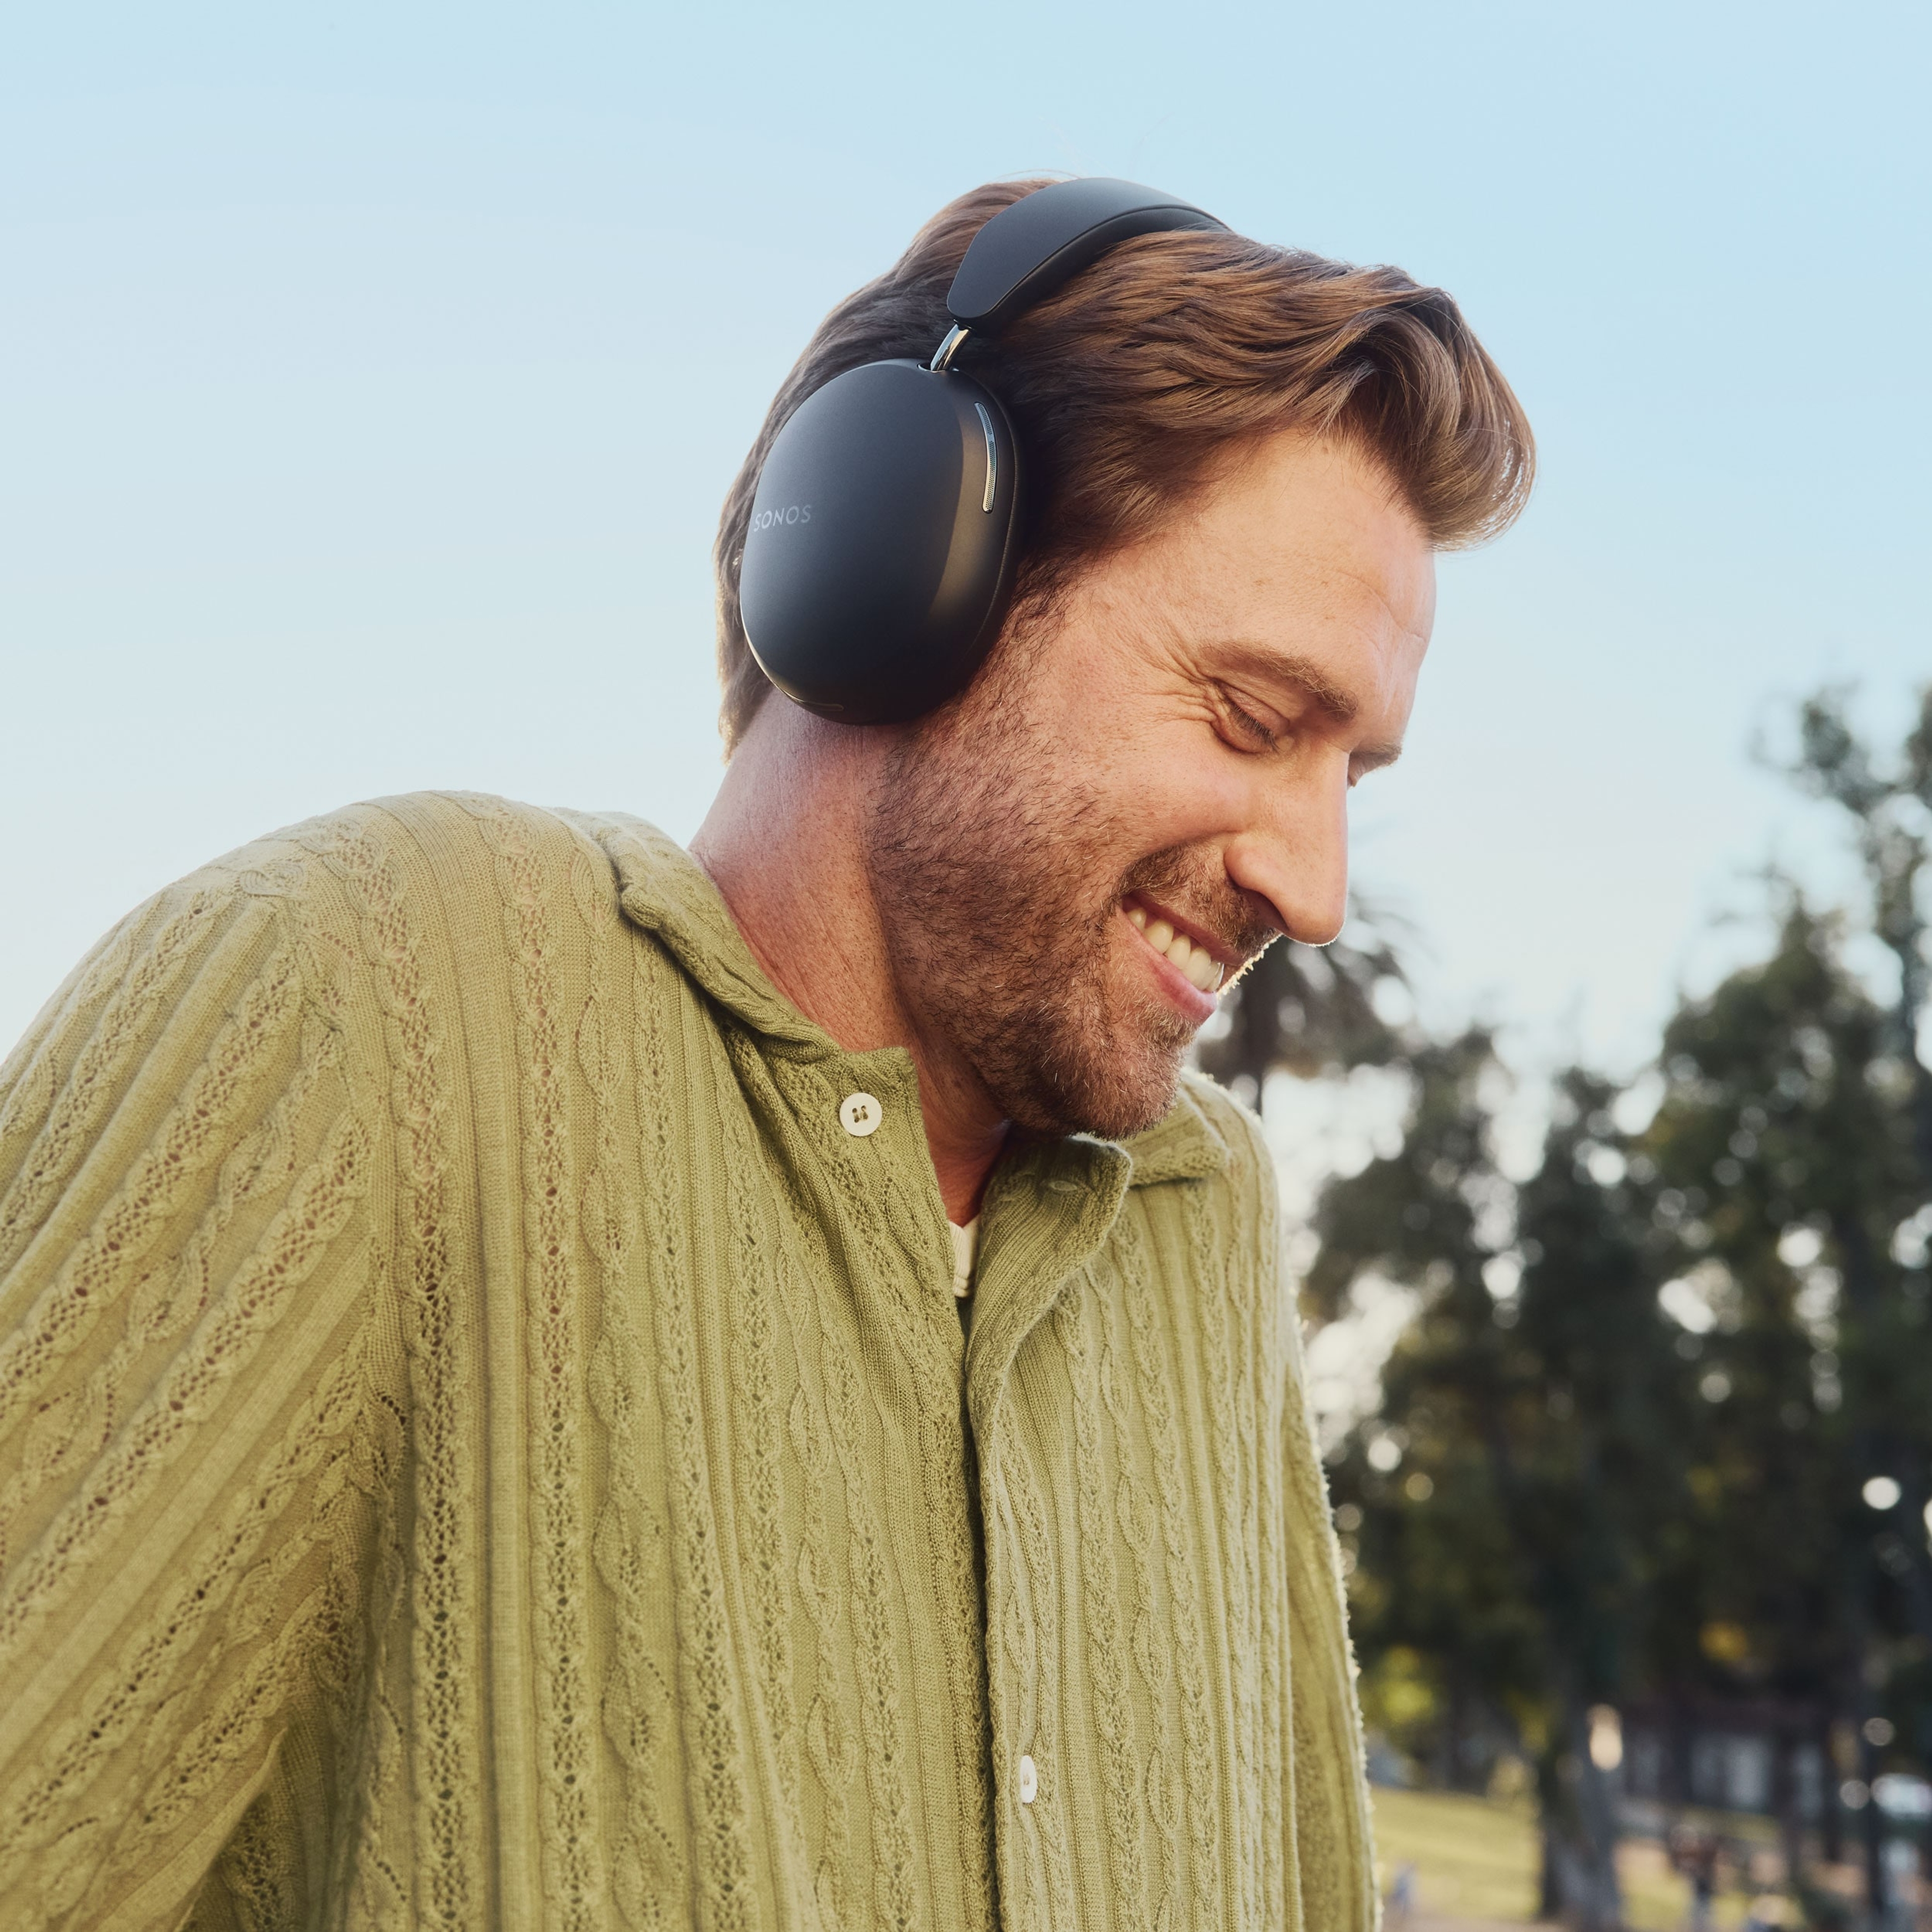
(1036, 244)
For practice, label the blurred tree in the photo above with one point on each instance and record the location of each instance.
(1437, 1596)
(1794, 1158)
(1600, 1500)
(1881, 1231)
(1769, 1147)
(1891, 812)
(1507, 1496)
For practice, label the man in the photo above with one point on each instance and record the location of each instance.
(485, 1437)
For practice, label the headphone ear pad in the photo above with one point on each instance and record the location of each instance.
(880, 555)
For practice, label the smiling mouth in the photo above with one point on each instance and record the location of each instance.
(1195, 963)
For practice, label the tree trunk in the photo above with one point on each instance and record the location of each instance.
(1830, 1821)
(1878, 1901)
(1602, 1905)
(1579, 1883)
(1863, 1703)
(1784, 1793)
(1550, 1889)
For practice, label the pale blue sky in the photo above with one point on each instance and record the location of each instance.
(370, 376)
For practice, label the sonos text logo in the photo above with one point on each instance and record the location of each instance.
(793, 513)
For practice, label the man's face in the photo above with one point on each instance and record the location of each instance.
(1144, 789)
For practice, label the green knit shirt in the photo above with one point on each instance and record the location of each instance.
(484, 1444)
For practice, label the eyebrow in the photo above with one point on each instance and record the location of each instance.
(1279, 668)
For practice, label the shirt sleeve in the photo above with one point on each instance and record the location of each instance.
(189, 1456)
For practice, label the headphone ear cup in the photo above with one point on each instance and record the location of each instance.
(880, 555)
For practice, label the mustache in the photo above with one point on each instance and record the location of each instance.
(1195, 886)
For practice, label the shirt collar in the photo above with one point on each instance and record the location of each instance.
(663, 890)
(1184, 1144)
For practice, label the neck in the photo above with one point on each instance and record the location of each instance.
(784, 843)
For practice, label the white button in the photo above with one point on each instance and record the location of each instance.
(859, 1113)
(1029, 1781)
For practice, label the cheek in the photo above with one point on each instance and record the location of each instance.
(1162, 787)
(1189, 785)
(1162, 779)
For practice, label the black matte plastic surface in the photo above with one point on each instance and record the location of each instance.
(873, 579)
(1031, 247)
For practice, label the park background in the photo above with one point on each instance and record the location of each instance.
(371, 378)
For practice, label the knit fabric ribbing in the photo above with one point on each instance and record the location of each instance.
(481, 1443)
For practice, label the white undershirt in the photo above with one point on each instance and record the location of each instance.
(965, 1244)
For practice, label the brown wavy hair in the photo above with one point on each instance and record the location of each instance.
(1130, 386)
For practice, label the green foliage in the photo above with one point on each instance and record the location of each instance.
(1782, 1171)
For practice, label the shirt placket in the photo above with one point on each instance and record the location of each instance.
(1044, 1222)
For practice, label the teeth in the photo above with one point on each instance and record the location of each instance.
(1196, 963)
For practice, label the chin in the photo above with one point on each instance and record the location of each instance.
(1117, 1121)
(1080, 1085)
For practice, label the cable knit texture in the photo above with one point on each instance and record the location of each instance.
(482, 1446)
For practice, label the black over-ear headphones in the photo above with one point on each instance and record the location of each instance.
(884, 533)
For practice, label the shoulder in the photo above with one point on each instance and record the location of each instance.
(460, 844)
(422, 875)
(376, 910)
(231, 1009)
(464, 902)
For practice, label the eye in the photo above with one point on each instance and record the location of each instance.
(1241, 728)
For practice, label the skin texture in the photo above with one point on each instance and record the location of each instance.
(1180, 732)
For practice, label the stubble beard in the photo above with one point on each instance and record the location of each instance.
(999, 872)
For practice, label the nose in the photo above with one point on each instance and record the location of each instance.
(1292, 852)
